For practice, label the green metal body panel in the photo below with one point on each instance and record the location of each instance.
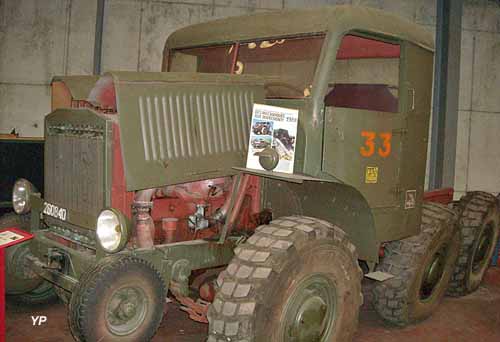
(183, 127)
(78, 261)
(337, 203)
(334, 153)
(342, 159)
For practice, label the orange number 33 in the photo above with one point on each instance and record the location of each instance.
(369, 147)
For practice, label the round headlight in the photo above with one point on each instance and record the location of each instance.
(112, 230)
(21, 196)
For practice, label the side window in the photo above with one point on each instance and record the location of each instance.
(211, 59)
(365, 76)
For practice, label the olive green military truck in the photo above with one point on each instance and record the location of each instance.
(146, 194)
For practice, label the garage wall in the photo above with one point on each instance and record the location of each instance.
(39, 39)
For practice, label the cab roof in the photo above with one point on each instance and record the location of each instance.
(341, 19)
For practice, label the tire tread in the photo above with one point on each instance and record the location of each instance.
(86, 288)
(472, 208)
(390, 298)
(256, 263)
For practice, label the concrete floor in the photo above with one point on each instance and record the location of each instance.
(475, 317)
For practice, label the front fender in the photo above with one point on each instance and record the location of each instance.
(334, 202)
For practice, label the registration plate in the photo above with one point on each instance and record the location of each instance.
(55, 211)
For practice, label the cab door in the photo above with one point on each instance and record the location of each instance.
(376, 120)
(363, 120)
(363, 149)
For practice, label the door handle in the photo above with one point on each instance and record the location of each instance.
(412, 98)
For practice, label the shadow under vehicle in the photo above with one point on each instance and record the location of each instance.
(146, 193)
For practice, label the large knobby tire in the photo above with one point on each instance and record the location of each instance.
(421, 265)
(21, 284)
(296, 279)
(479, 223)
(121, 298)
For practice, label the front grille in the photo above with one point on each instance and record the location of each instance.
(74, 167)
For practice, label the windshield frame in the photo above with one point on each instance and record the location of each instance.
(235, 46)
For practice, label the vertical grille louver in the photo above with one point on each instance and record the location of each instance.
(74, 167)
(182, 127)
(202, 123)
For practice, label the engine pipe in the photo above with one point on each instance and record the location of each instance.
(235, 201)
(144, 226)
(169, 228)
(190, 193)
(240, 196)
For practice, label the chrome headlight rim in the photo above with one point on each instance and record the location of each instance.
(21, 193)
(123, 232)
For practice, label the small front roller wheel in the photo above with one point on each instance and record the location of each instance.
(295, 280)
(421, 265)
(120, 298)
(21, 284)
(43, 294)
(479, 223)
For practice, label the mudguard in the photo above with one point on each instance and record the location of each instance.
(334, 202)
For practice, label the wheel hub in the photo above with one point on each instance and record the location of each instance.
(433, 273)
(310, 313)
(126, 310)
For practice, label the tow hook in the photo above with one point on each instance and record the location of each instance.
(57, 260)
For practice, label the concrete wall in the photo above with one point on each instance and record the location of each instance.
(39, 39)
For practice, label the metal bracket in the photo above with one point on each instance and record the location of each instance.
(400, 131)
(197, 310)
(379, 276)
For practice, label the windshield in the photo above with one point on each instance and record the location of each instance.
(287, 63)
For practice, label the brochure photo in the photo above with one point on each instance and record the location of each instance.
(273, 127)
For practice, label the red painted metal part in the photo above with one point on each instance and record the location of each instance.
(26, 236)
(359, 47)
(443, 196)
(169, 228)
(121, 199)
(197, 310)
(207, 291)
(104, 93)
(179, 201)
